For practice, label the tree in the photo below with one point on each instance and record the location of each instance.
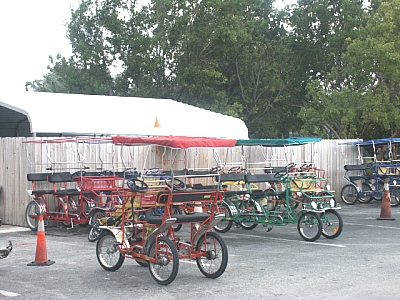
(52, 82)
(359, 98)
(322, 31)
(373, 64)
(234, 61)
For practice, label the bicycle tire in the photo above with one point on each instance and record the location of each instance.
(349, 194)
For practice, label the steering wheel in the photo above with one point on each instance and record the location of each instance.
(215, 170)
(107, 173)
(235, 169)
(137, 185)
(289, 167)
(305, 167)
(176, 184)
(286, 170)
(78, 174)
(152, 171)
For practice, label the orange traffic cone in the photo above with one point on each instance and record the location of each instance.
(157, 123)
(41, 250)
(386, 210)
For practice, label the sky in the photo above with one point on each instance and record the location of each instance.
(31, 31)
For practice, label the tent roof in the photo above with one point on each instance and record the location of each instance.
(181, 142)
(384, 141)
(278, 142)
(56, 114)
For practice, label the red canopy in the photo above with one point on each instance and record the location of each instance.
(181, 142)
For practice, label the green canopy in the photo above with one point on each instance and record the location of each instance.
(278, 142)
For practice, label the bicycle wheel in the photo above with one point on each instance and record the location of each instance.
(177, 211)
(107, 252)
(32, 213)
(367, 192)
(86, 209)
(332, 224)
(95, 232)
(215, 260)
(349, 194)
(224, 225)
(394, 196)
(165, 269)
(95, 216)
(381, 188)
(60, 210)
(250, 208)
(309, 226)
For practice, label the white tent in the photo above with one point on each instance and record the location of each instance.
(53, 114)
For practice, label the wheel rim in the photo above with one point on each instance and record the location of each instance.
(253, 208)
(223, 225)
(349, 194)
(331, 224)
(367, 197)
(163, 269)
(310, 226)
(394, 197)
(177, 211)
(97, 215)
(95, 232)
(108, 253)
(32, 215)
(214, 259)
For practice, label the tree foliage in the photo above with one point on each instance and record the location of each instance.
(359, 97)
(322, 67)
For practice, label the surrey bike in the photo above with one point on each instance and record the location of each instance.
(365, 183)
(70, 198)
(305, 200)
(139, 236)
(144, 202)
(137, 239)
(150, 239)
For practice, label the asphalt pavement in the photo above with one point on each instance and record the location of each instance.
(362, 263)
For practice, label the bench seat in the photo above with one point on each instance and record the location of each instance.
(42, 192)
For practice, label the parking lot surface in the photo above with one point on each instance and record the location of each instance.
(362, 263)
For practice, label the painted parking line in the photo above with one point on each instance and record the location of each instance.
(297, 241)
(10, 228)
(374, 226)
(187, 261)
(9, 294)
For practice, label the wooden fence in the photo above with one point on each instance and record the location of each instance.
(20, 156)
